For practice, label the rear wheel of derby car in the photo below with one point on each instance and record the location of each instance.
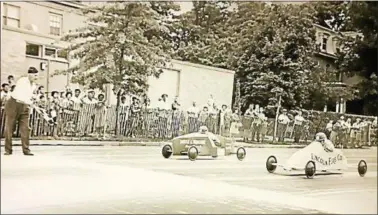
(192, 153)
(270, 164)
(310, 169)
(241, 153)
(362, 168)
(166, 151)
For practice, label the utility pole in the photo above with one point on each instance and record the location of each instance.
(48, 76)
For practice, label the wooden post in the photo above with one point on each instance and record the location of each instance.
(276, 120)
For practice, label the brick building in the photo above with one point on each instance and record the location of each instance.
(30, 35)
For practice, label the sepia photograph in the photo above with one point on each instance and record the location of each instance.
(189, 107)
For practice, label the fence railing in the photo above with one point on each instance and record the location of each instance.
(88, 119)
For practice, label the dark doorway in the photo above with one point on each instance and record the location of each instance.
(355, 107)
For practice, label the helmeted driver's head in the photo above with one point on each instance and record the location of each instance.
(203, 130)
(320, 137)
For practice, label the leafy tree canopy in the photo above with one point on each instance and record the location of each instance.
(123, 42)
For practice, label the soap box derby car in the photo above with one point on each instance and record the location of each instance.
(315, 157)
(202, 144)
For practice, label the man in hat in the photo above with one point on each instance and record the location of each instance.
(299, 121)
(163, 108)
(17, 110)
(90, 98)
(283, 121)
(4, 93)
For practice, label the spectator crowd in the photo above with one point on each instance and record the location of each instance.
(84, 113)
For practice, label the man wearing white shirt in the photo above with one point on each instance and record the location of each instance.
(76, 98)
(283, 121)
(90, 99)
(163, 108)
(193, 113)
(328, 129)
(210, 101)
(17, 110)
(298, 126)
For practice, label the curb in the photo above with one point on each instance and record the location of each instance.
(61, 143)
(146, 144)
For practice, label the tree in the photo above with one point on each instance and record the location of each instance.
(268, 46)
(274, 48)
(359, 52)
(123, 42)
(199, 33)
(332, 14)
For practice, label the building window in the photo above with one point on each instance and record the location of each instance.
(324, 42)
(55, 24)
(11, 15)
(50, 52)
(62, 54)
(55, 53)
(33, 50)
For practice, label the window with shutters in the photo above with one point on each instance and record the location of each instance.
(324, 42)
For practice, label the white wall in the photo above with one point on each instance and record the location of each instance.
(193, 82)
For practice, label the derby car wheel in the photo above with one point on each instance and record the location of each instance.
(362, 168)
(241, 153)
(166, 151)
(310, 169)
(192, 153)
(269, 164)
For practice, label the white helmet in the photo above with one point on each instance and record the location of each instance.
(321, 137)
(203, 129)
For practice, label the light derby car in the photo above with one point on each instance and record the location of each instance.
(202, 143)
(319, 156)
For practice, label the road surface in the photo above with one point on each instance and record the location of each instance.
(63, 179)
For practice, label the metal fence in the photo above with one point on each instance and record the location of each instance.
(82, 120)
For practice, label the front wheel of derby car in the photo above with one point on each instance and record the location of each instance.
(310, 169)
(192, 153)
(362, 168)
(241, 153)
(270, 164)
(166, 151)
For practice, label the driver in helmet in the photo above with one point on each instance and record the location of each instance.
(205, 130)
(322, 139)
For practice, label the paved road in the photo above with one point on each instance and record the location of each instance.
(62, 179)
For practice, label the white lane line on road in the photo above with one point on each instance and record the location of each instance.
(338, 191)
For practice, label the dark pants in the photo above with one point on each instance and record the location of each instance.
(163, 123)
(281, 132)
(298, 131)
(256, 130)
(192, 124)
(16, 112)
